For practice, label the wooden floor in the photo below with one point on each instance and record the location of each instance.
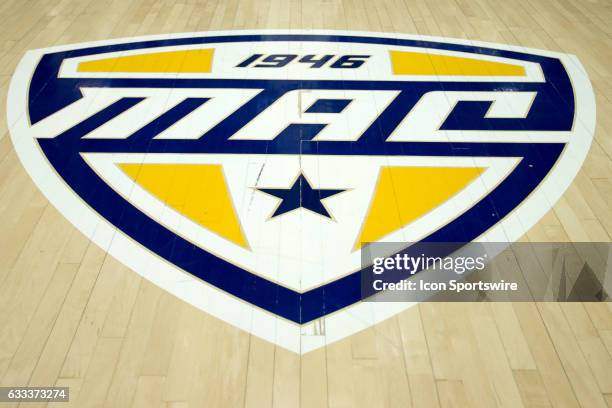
(73, 316)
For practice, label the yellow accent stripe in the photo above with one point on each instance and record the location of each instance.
(197, 191)
(419, 63)
(404, 194)
(187, 61)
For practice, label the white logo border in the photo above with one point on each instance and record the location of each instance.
(289, 335)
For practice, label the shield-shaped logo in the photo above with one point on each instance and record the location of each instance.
(244, 171)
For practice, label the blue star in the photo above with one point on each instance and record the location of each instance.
(301, 194)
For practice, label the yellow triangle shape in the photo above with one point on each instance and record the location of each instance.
(420, 63)
(403, 194)
(197, 191)
(188, 61)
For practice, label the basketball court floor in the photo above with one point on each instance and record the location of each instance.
(237, 307)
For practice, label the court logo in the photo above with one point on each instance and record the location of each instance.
(244, 171)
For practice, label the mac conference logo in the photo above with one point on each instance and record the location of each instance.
(243, 171)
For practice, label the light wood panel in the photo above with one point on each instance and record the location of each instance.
(71, 315)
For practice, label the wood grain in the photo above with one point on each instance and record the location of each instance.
(71, 315)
